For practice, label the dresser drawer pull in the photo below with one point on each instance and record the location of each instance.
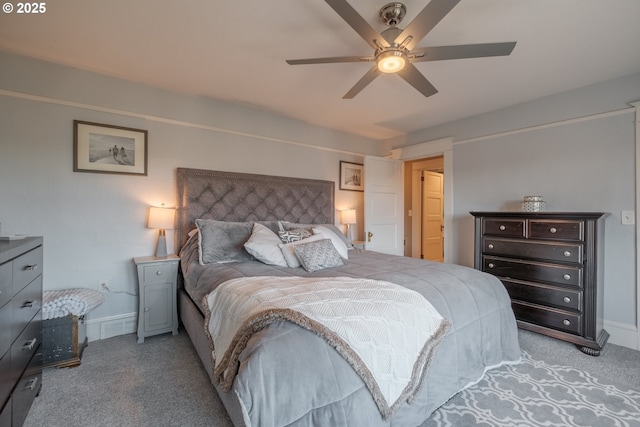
(490, 246)
(502, 228)
(159, 273)
(29, 344)
(567, 277)
(567, 253)
(553, 230)
(146, 309)
(566, 322)
(491, 265)
(31, 267)
(566, 299)
(29, 304)
(31, 384)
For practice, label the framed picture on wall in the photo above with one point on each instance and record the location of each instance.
(103, 148)
(351, 176)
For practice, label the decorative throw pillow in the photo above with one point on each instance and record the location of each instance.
(294, 235)
(335, 240)
(288, 250)
(318, 255)
(263, 245)
(221, 241)
(332, 227)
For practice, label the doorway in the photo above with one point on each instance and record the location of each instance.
(424, 204)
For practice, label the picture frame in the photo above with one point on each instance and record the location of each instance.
(351, 176)
(102, 148)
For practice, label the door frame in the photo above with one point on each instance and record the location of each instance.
(439, 147)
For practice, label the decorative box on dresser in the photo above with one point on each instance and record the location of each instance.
(20, 327)
(551, 263)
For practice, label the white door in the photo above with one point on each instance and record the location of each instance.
(383, 205)
(432, 216)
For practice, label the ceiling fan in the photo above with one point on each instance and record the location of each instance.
(394, 48)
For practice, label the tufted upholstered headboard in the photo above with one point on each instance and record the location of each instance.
(230, 196)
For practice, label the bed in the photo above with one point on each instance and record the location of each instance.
(288, 375)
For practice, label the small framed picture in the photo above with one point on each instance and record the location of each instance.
(351, 176)
(103, 148)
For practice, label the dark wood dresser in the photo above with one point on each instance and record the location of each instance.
(20, 327)
(551, 265)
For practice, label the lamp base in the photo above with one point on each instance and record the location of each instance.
(161, 248)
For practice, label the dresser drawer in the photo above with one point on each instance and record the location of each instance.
(27, 389)
(544, 295)
(556, 229)
(548, 317)
(563, 252)
(25, 306)
(158, 273)
(533, 271)
(503, 227)
(5, 415)
(25, 347)
(6, 382)
(26, 268)
(6, 286)
(5, 330)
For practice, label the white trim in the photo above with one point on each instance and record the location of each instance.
(111, 326)
(548, 125)
(422, 150)
(47, 100)
(636, 107)
(622, 334)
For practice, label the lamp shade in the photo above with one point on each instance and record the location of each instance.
(162, 218)
(348, 216)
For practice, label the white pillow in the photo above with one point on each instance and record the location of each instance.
(338, 243)
(288, 250)
(263, 245)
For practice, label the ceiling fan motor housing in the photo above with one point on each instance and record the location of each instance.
(393, 13)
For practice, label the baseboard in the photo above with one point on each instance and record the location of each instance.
(623, 334)
(111, 326)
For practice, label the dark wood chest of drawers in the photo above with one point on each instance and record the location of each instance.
(20, 327)
(551, 265)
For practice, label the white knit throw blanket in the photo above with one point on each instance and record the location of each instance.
(388, 333)
(77, 302)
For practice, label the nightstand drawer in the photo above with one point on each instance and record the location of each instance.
(558, 229)
(533, 271)
(26, 268)
(504, 227)
(544, 295)
(563, 252)
(158, 273)
(548, 317)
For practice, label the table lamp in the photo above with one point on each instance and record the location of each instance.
(348, 217)
(163, 219)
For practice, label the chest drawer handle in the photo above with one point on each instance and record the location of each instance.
(29, 304)
(553, 230)
(567, 277)
(31, 267)
(29, 344)
(490, 246)
(491, 265)
(566, 299)
(566, 322)
(159, 273)
(502, 228)
(146, 309)
(567, 253)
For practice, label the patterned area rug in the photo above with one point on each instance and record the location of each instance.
(533, 394)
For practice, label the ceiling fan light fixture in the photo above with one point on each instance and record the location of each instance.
(391, 61)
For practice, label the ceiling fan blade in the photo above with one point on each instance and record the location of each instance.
(363, 82)
(330, 60)
(357, 22)
(412, 76)
(440, 53)
(424, 22)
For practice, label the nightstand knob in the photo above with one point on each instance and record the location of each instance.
(567, 253)
(566, 299)
(566, 322)
(553, 230)
(567, 277)
(491, 265)
(159, 272)
(490, 246)
(502, 228)
(146, 309)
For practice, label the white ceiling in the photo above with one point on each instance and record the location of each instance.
(236, 51)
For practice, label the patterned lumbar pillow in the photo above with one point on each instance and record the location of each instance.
(289, 236)
(318, 255)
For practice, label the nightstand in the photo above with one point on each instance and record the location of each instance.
(157, 294)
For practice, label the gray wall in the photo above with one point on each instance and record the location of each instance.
(93, 224)
(578, 165)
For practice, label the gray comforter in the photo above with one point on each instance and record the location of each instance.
(288, 376)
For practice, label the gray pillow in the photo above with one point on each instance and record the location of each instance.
(318, 255)
(221, 241)
(294, 235)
